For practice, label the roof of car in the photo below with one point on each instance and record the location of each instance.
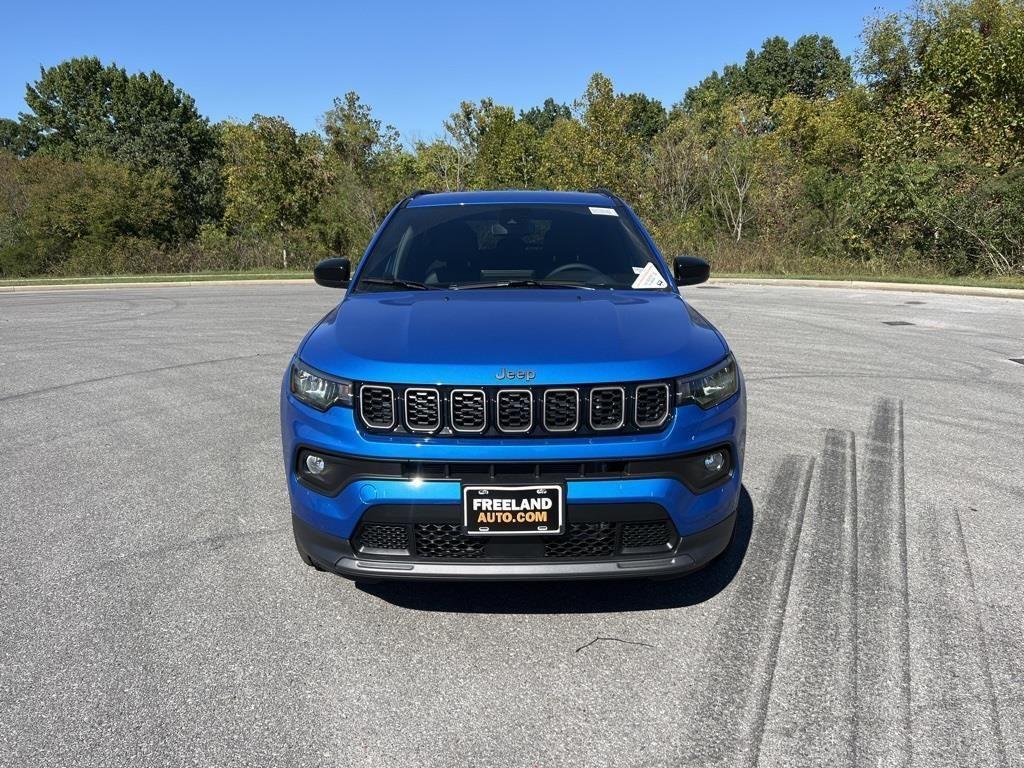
(531, 197)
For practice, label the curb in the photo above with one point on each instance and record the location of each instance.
(869, 285)
(953, 290)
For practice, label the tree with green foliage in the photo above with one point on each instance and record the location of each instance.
(544, 117)
(83, 217)
(779, 161)
(368, 171)
(82, 109)
(812, 68)
(272, 176)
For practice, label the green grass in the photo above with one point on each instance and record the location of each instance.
(262, 274)
(973, 282)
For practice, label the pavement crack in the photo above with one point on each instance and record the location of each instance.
(613, 640)
(126, 374)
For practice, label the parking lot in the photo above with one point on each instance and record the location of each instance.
(153, 609)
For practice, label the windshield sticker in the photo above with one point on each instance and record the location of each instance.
(649, 278)
(638, 270)
(604, 211)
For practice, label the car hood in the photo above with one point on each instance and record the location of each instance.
(469, 337)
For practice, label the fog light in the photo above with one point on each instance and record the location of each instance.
(315, 464)
(714, 462)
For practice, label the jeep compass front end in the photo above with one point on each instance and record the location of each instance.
(512, 388)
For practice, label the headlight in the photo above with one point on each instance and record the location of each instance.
(319, 390)
(710, 387)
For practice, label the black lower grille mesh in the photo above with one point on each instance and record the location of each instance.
(446, 540)
(645, 535)
(583, 540)
(380, 536)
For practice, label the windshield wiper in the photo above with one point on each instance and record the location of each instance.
(518, 284)
(412, 284)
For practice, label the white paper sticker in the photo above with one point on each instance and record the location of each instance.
(637, 270)
(604, 211)
(650, 278)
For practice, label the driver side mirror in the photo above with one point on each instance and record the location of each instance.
(332, 273)
(689, 270)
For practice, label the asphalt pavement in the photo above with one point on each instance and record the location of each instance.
(153, 610)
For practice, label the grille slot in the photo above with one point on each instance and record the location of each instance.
(646, 535)
(651, 405)
(468, 410)
(377, 406)
(515, 410)
(561, 410)
(422, 410)
(582, 540)
(380, 536)
(607, 407)
(446, 540)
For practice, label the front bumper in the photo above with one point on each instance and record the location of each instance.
(690, 554)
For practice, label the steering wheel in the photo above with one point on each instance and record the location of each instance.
(592, 271)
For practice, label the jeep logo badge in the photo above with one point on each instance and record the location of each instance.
(510, 373)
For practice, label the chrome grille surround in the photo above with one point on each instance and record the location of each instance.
(651, 405)
(377, 399)
(422, 409)
(509, 420)
(599, 400)
(553, 411)
(463, 407)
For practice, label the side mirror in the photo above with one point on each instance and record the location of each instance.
(332, 273)
(690, 270)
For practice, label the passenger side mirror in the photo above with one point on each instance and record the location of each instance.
(332, 273)
(689, 270)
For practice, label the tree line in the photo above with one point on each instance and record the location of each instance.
(905, 159)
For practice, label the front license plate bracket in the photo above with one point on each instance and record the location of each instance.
(513, 510)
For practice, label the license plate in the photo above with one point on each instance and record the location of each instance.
(496, 510)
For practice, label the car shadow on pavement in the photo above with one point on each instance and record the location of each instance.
(609, 596)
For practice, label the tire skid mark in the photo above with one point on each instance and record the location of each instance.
(726, 716)
(883, 601)
(811, 719)
(956, 713)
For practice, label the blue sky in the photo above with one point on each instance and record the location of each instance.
(413, 62)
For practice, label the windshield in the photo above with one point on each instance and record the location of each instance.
(485, 246)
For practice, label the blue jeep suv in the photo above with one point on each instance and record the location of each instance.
(512, 388)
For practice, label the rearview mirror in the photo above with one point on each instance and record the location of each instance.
(332, 273)
(690, 270)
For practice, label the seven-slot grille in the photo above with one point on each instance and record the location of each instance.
(422, 410)
(494, 411)
(651, 405)
(377, 406)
